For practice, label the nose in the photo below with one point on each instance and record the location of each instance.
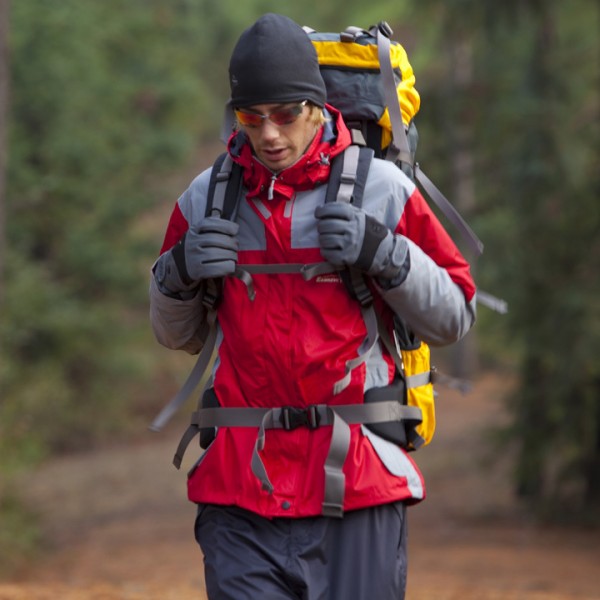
(268, 130)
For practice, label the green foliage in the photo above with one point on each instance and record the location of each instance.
(109, 97)
(528, 108)
(552, 194)
(19, 532)
(103, 96)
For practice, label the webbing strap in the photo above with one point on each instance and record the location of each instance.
(335, 479)
(205, 359)
(418, 379)
(393, 348)
(497, 304)
(272, 418)
(313, 269)
(451, 213)
(307, 270)
(244, 276)
(348, 174)
(333, 502)
(221, 181)
(364, 351)
(282, 268)
(345, 193)
(391, 345)
(399, 148)
(462, 385)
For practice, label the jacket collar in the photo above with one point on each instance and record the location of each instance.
(310, 170)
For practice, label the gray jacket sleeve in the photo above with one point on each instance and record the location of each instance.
(177, 324)
(430, 302)
(433, 305)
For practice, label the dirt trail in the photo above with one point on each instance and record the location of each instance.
(121, 528)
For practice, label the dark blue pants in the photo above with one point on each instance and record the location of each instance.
(359, 557)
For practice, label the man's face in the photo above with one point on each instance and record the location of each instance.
(279, 146)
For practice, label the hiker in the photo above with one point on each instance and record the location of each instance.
(280, 515)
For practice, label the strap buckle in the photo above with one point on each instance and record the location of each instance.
(293, 417)
(212, 294)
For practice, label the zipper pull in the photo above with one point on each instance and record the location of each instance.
(271, 186)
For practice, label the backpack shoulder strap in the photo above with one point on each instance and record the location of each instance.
(399, 149)
(348, 175)
(224, 188)
(222, 200)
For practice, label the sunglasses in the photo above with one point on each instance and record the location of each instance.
(279, 116)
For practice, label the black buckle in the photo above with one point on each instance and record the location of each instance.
(213, 294)
(385, 28)
(293, 417)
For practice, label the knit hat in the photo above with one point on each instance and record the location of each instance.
(274, 61)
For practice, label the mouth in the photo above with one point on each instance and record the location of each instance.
(274, 154)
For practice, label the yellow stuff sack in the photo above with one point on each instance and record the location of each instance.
(413, 386)
(419, 392)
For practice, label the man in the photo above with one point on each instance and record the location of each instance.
(276, 520)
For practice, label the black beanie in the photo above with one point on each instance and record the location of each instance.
(274, 61)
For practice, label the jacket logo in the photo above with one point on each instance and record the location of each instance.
(331, 278)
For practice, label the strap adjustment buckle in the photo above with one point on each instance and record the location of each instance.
(212, 294)
(293, 417)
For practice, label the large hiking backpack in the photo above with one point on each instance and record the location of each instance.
(370, 80)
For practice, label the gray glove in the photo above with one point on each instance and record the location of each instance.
(350, 237)
(207, 252)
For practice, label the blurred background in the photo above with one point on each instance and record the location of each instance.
(109, 108)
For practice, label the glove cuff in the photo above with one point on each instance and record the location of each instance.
(168, 278)
(397, 266)
(374, 235)
(178, 254)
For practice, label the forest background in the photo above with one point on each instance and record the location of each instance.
(103, 105)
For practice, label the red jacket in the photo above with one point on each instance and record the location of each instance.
(291, 343)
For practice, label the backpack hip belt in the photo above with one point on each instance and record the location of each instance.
(288, 418)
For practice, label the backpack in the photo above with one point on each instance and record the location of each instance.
(369, 79)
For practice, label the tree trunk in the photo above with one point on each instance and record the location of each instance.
(464, 353)
(4, 101)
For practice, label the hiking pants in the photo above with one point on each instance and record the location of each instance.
(359, 557)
